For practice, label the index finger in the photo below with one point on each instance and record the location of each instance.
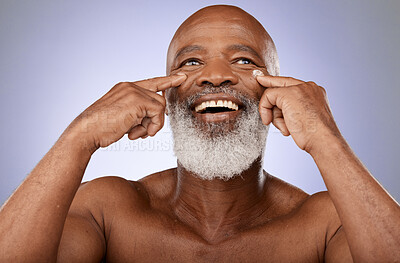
(274, 82)
(162, 83)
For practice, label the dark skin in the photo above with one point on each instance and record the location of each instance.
(174, 216)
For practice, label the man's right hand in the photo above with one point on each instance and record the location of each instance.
(129, 107)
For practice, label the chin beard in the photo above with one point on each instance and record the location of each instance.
(217, 150)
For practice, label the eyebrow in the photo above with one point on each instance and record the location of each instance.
(188, 49)
(241, 47)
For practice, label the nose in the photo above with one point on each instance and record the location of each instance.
(216, 73)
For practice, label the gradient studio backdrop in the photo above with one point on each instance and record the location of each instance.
(58, 57)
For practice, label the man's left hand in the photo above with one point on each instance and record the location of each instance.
(297, 108)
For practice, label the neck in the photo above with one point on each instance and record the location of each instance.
(213, 207)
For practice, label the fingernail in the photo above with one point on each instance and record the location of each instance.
(257, 72)
(181, 74)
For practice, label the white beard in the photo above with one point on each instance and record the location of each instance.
(212, 150)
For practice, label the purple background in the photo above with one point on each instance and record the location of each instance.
(58, 57)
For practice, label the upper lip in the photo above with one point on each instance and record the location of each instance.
(215, 97)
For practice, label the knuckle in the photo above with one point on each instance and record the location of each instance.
(121, 84)
(132, 95)
(266, 92)
(135, 86)
(298, 89)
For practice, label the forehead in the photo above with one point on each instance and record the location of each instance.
(218, 26)
(214, 33)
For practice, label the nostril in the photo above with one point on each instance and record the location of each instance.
(207, 83)
(226, 82)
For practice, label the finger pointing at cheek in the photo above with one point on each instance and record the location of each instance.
(272, 99)
(162, 83)
(271, 81)
(129, 107)
(297, 108)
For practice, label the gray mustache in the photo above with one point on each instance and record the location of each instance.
(224, 88)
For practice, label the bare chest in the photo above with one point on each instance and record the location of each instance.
(149, 239)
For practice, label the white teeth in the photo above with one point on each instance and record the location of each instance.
(220, 103)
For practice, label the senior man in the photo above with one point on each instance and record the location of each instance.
(221, 93)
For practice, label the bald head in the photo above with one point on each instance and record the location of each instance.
(208, 20)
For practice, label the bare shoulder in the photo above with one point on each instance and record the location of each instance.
(319, 207)
(91, 214)
(323, 211)
(327, 219)
(110, 188)
(321, 204)
(113, 191)
(108, 194)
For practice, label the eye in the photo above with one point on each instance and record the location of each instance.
(244, 61)
(191, 62)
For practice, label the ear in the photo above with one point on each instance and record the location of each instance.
(163, 94)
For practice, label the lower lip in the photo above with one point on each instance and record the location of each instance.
(217, 117)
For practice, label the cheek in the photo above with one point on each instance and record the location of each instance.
(250, 84)
(189, 86)
(179, 94)
(170, 95)
(186, 88)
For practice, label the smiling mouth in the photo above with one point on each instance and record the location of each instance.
(216, 106)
